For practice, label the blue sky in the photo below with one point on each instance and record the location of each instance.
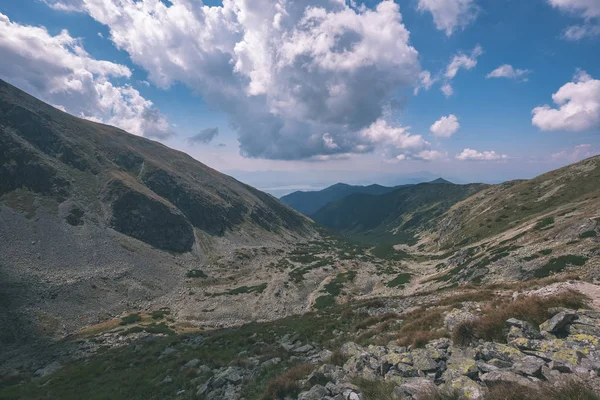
(170, 71)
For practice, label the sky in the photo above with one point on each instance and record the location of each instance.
(288, 95)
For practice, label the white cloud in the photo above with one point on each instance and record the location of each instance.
(577, 153)
(445, 126)
(588, 10)
(463, 61)
(59, 71)
(425, 81)
(287, 73)
(447, 89)
(582, 8)
(474, 155)
(431, 155)
(508, 71)
(448, 15)
(578, 106)
(398, 139)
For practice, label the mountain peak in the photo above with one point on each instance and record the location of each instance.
(439, 181)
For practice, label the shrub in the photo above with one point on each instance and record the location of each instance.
(130, 319)
(558, 264)
(544, 223)
(337, 358)
(196, 273)
(375, 390)
(286, 384)
(533, 309)
(588, 234)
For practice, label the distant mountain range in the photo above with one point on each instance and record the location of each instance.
(309, 202)
(398, 214)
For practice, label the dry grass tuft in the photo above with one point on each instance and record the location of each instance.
(286, 384)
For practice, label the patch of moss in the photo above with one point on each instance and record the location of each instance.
(196, 273)
(131, 319)
(543, 223)
(324, 302)
(399, 281)
(557, 264)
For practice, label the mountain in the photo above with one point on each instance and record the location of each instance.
(95, 219)
(396, 216)
(310, 202)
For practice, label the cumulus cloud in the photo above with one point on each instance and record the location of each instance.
(474, 155)
(445, 126)
(508, 71)
(297, 79)
(205, 136)
(58, 70)
(577, 153)
(463, 61)
(449, 15)
(397, 139)
(588, 10)
(578, 106)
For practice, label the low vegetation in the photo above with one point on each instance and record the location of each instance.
(490, 326)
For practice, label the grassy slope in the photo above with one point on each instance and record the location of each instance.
(505, 206)
(395, 217)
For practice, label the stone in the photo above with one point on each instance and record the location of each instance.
(167, 379)
(303, 349)
(271, 362)
(518, 328)
(351, 349)
(414, 387)
(458, 366)
(422, 361)
(456, 317)
(557, 323)
(316, 392)
(504, 377)
(529, 366)
(192, 363)
(465, 387)
(47, 370)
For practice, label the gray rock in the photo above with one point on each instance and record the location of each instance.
(47, 370)
(504, 377)
(557, 323)
(192, 363)
(414, 387)
(456, 317)
(518, 328)
(464, 387)
(270, 363)
(167, 379)
(316, 392)
(529, 366)
(303, 349)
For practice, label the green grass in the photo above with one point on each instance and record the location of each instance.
(543, 223)
(196, 273)
(324, 302)
(131, 319)
(244, 289)
(160, 314)
(558, 264)
(399, 281)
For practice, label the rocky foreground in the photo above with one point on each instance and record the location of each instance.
(562, 349)
(565, 346)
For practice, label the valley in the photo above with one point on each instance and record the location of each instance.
(132, 267)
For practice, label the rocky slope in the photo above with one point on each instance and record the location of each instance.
(95, 221)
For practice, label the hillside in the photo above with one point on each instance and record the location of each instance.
(310, 202)
(92, 213)
(395, 217)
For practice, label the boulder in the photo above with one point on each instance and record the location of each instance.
(465, 387)
(557, 323)
(456, 317)
(414, 387)
(505, 377)
(529, 366)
